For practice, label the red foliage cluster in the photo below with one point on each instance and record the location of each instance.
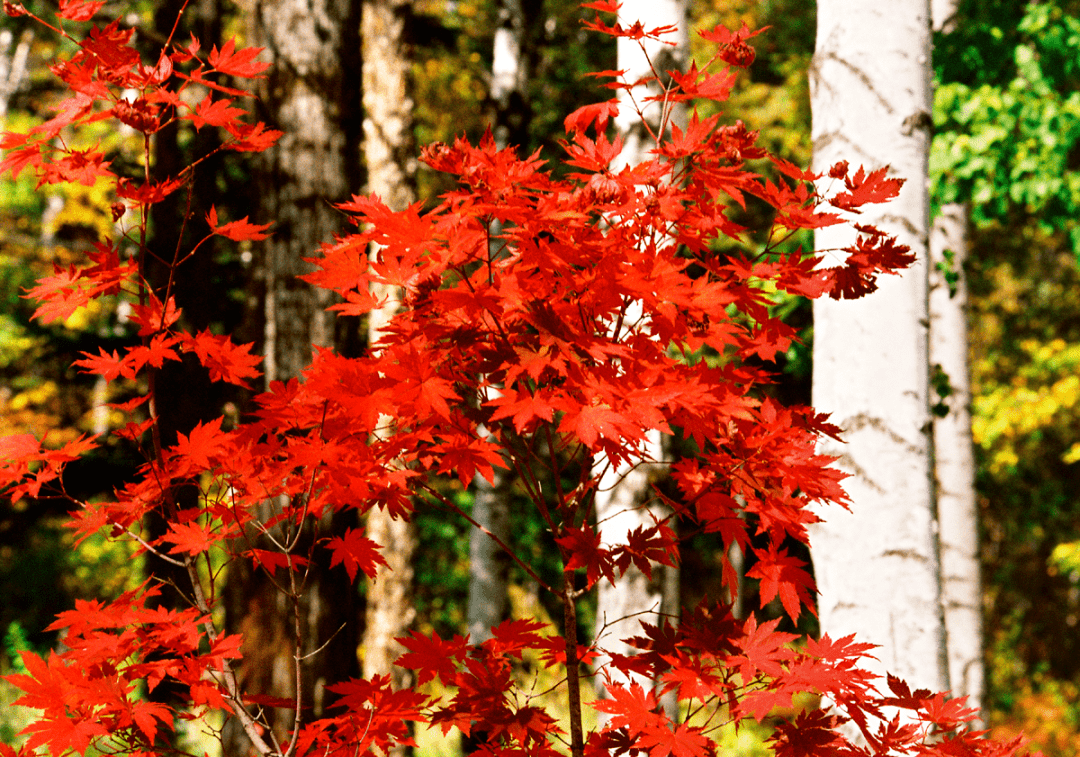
(601, 312)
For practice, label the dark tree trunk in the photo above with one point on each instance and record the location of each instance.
(184, 395)
(311, 95)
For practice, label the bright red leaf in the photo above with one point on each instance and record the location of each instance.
(432, 657)
(79, 10)
(235, 62)
(356, 552)
(237, 230)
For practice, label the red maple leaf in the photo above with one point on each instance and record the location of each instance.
(527, 408)
(699, 84)
(251, 137)
(866, 188)
(58, 295)
(79, 10)
(678, 740)
(240, 63)
(431, 656)
(812, 732)
(762, 650)
(214, 113)
(468, 459)
(607, 6)
(203, 443)
(784, 575)
(631, 706)
(553, 651)
(588, 422)
(646, 546)
(148, 193)
(270, 560)
(193, 538)
(587, 115)
(237, 230)
(18, 159)
(513, 637)
(154, 316)
(16, 446)
(148, 716)
(582, 547)
(758, 703)
(108, 366)
(133, 430)
(224, 360)
(155, 354)
(356, 552)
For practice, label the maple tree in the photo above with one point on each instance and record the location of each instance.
(518, 355)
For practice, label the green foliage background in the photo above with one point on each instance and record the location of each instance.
(1007, 144)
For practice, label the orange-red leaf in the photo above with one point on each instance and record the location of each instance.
(214, 113)
(79, 10)
(431, 656)
(237, 230)
(356, 552)
(224, 360)
(197, 448)
(235, 62)
(192, 538)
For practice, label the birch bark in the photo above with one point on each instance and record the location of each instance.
(955, 455)
(877, 566)
(954, 448)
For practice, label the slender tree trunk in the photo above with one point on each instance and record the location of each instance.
(955, 454)
(877, 566)
(953, 445)
(12, 67)
(389, 153)
(623, 498)
(311, 97)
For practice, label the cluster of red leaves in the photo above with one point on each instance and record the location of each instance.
(603, 311)
(94, 691)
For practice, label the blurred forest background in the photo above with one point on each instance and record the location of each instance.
(1007, 120)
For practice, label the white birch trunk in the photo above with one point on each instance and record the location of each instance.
(624, 493)
(954, 450)
(12, 67)
(877, 566)
(955, 457)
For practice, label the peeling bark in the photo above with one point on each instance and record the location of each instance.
(877, 566)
